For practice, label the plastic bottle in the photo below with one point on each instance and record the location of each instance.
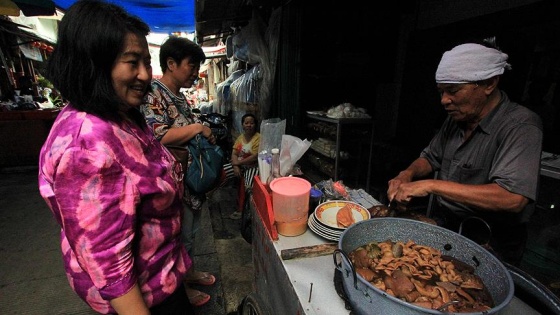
(315, 196)
(265, 166)
(275, 171)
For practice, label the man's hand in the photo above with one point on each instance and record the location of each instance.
(395, 183)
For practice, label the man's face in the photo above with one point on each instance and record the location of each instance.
(463, 102)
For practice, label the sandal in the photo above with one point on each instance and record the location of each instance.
(204, 278)
(197, 298)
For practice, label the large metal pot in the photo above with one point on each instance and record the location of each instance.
(367, 299)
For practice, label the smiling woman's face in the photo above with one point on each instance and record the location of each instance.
(132, 71)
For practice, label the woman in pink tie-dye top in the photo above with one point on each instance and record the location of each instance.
(113, 188)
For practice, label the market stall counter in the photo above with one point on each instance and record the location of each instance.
(22, 133)
(293, 286)
(296, 275)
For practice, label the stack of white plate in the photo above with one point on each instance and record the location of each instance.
(323, 222)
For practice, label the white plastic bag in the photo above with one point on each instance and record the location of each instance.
(292, 150)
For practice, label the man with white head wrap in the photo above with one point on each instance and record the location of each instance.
(486, 154)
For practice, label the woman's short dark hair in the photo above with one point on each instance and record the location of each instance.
(179, 48)
(91, 36)
(249, 115)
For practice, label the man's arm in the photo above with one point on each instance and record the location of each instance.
(417, 169)
(489, 197)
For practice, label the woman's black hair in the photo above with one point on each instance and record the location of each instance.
(91, 36)
(249, 115)
(179, 48)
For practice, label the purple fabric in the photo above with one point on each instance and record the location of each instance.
(112, 188)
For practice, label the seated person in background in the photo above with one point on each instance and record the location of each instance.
(244, 159)
(169, 115)
(487, 152)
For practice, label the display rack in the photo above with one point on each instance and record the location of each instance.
(341, 125)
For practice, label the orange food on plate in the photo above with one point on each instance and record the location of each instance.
(344, 216)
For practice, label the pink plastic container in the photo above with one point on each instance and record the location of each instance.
(290, 203)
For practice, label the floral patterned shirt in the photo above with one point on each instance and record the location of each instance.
(246, 149)
(162, 109)
(116, 193)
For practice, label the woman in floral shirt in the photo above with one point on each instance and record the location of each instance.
(244, 159)
(167, 112)
(112, 187)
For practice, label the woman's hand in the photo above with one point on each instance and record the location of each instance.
(207, 133)
(211, 139)
(237, 170)
(131, 302)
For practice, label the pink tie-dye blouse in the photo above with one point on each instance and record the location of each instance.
(116, 193)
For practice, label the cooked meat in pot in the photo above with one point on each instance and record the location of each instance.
(420, 275)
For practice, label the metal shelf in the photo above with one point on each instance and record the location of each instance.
(340, 123)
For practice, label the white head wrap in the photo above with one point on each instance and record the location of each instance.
(470, 63)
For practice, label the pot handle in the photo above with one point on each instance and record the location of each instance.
(338, 265)
(477, 223)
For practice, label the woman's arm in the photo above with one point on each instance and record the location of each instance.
(101, 226)
(235, 162)
(156, 113)
(181, 135)
(131, 303)
(250, 160)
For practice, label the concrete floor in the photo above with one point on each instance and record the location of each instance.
(32, 279)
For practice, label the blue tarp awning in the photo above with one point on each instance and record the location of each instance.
(163, 16)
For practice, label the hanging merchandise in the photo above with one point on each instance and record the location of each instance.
(229, 47)
(223, 97)
(245, 95)
(251, 92)
(30, 50)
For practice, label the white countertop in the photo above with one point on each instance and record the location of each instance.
(317, 270)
